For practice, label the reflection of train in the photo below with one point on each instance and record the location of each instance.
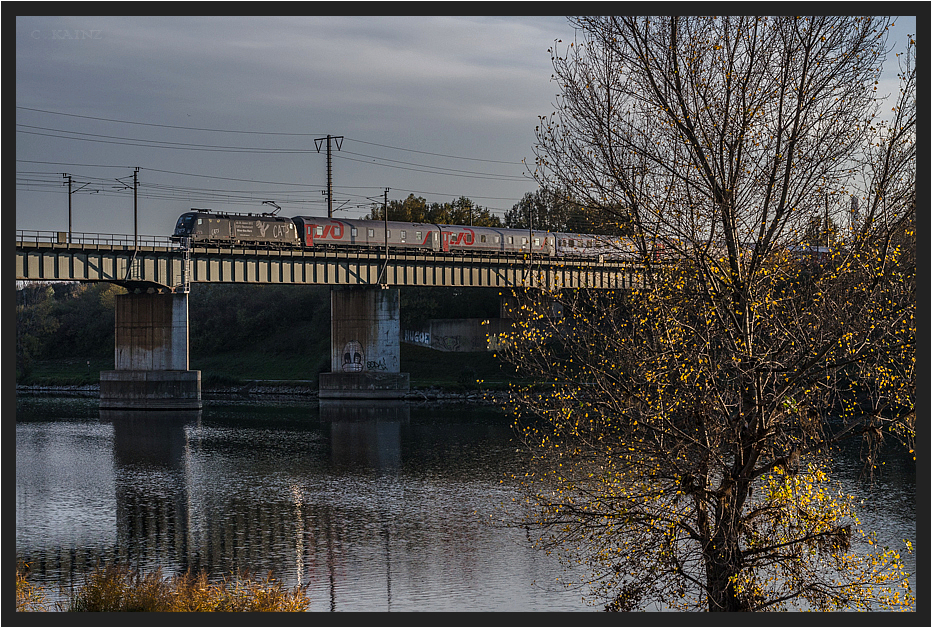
(207, 228)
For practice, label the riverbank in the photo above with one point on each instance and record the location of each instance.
(278, 389)
(434, 375)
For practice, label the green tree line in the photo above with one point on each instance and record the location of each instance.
(75, 321)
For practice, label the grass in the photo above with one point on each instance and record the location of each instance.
(119, 588)
(236, 368)
(427, 368)
(451, 370)
(67, 371)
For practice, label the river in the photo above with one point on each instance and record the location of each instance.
(388, 507)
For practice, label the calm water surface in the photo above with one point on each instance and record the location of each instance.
(376, 508)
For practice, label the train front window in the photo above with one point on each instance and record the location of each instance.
(184, 225)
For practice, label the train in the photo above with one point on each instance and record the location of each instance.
(204, 227)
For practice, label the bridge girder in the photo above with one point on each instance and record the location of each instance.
(172, 269)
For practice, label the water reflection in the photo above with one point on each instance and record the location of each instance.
(374, 506)
(365, 434)
(152, 519)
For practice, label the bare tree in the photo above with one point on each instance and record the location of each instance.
(688, 425)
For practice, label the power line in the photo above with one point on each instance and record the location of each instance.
(163, 126)
(422, 152)
(241, 131)
(284, 193)
(144, 143)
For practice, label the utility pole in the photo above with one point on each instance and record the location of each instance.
(70, 192)
(317, 143)
(135, 209)
(385, 218)
(68, 176)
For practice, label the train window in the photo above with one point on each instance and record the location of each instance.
(353, 232)
(497, 239)
(388, 233)
(588, 244)
(404, 234)
(536, 241)
(523, 241)
(571, 242)
(320, 230)
(482, 238)
(417, 236)
(511, 240)
(371, 233)
(200, 220)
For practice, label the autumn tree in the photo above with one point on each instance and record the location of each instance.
(460, 211)
(685, 429)
(553, 210)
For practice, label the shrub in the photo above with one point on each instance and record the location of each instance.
(118, 588)
(29, 598)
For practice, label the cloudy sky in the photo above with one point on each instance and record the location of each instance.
(223, 112)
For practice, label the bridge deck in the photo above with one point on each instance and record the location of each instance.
(164, 265)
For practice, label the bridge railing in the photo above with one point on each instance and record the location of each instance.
(94, 239)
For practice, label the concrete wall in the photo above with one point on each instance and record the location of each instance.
(365, 331)
(151, 332)
(365, 346)
(151, 356)
(459, 334)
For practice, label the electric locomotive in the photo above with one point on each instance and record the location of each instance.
(205, 227)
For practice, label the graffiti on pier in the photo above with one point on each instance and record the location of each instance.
(377, 365)
(353, 357)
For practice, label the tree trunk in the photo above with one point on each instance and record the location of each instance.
(723, 562)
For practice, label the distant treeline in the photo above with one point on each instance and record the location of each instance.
(76, 320)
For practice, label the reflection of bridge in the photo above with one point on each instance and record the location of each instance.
(324, 501)
(151, 353)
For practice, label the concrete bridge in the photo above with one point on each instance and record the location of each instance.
(151, 352)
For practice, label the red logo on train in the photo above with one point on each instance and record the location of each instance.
(466, 238)
(334, 232)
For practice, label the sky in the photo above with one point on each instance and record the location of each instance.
(227, 112)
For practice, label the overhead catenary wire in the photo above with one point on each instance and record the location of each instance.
(260, 181)
(270, 133)
(145, 143)
(294, 192)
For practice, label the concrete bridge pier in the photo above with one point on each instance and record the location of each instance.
(365, 345)
(151, 356)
